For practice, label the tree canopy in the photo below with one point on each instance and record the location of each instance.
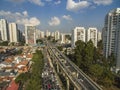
(39, 41)
(92, 62)
(4, 43)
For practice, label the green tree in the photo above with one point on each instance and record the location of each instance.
(22, 78)
(49, 38)
(100, 45)
(96, 55)
(60, 48)
(68, 37)
(91, 60)
(79, 53)
(35, 81)
(4, 43)
(89, 53)
(111, 60)
(96, 71)
(39, 41)
(106, 78)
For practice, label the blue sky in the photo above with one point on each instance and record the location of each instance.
(52, 15)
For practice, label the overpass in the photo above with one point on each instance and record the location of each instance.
(70, 71)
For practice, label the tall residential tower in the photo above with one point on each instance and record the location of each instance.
(30, 38)
(78, 34)
(4, 30)
(92, 35)
(111, 35)
(13, 32)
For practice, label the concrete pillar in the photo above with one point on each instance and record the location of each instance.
(68, 83)
(63, 74)
(57, 68)
(53, 57)
(75, 88)
(77, 74)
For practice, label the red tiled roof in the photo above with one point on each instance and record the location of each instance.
(9, 59)
(29, 56)
(13, 86)
(24, 62)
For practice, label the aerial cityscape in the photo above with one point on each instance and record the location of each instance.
(60, 45)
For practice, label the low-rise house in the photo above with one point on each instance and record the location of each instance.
(5, 64)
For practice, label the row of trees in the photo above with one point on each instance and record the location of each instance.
(4, 43)
(33, 80)
(7, 43)
(93, 63)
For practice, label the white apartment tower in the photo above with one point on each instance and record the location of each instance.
(47, 33)
(30, 31)
(57, 35)
(53, 34)
(42, 34)
(92, 35)
(63, 39)
(37, 34)
(99, 36)
(111, 35)
(78, 34)
(4, 29)
(13, 32)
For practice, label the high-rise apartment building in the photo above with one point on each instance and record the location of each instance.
(53, 34)
(78, 34)
(63, 39)
(13, 32)
(37, 34)
(57, 35)
(47, 33)
(30, 38)
(20, 36)
(92, 35)
(111, 35)
(4, 30)
(99, 36)
(42, 34)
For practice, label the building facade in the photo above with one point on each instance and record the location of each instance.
(13, 32)
(63, 39)
(99, 36)
(37, 34)
(57, 35)
(30, 38)
(42, 34)
(92, 35)
(47, 33)
(111, 35)
(4, 30)
(78, 34)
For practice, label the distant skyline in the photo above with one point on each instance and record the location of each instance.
(52, 15)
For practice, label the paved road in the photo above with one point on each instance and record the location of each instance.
(49, 78)
(82, 79)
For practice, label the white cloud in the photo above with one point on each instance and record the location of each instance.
(37, 2)
(20, 18)
(75, 6)
(57, 2)
(54, 21)
(25, 13)
(102, 2)
(67, 17)
(10, 15)
(32, 21)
